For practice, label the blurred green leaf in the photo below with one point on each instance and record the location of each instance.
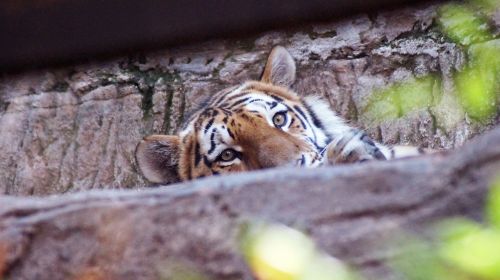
(485, 57)
(470, 247)
(277, 252)
(325, 267)
(419, 260)
(493, 205)
(400, 99)
(383, 105)
(463, 250)
(477, 252)
(477, 94)
(451, 230)
(477, 85)
(461, 24)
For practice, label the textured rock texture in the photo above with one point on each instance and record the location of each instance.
(76, 128)
(348, 210)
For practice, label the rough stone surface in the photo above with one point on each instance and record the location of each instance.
(76, 128)
(348, 210)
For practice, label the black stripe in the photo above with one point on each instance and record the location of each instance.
(239, 102)
(302, 122)
(365, 138)
(307, 120)
(219, 100)
(210, 112)
(322, 150)
(189, 147)
(279, 99)
(230, 133)
(212, 141)
(209, 125)
(227, 112)
(223, 95)
(319, 148)
(298, 116)
(300, 119)
(315, 119)
(207, 162)
(255, 100)
(300, 111)
(197, 154)
(238, 95)
(272, 104)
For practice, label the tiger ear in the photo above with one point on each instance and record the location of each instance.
(158, 158)
(280, 68)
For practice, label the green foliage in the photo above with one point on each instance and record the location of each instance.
(277, 252)
(462, 249)
(418, 261)
(493, 206)
(400, 99)
(477, 84)
(460, 24)
(470, 247)
(476, 252)
(476, 93)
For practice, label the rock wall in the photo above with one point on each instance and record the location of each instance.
(350, 211)
(75, 128)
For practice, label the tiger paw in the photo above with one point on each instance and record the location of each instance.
(352, 147)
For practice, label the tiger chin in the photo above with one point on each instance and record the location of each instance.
(257, 125)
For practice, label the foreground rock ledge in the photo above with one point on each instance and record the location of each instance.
(139, 234)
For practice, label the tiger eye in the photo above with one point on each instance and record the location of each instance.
(279, 119)
(227, 155)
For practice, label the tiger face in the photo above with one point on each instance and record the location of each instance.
(256, 125)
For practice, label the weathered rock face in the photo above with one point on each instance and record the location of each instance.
(76, 128)
(348, 210)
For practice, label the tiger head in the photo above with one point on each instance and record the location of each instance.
(256, 125)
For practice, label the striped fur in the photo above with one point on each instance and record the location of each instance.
(259, 124)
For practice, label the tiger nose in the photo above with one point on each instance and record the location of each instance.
(276, 151)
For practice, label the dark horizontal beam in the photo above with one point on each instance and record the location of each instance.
(46, 32)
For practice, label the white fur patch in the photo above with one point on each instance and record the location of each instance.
(333, 124)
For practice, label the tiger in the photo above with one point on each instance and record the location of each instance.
(257, 125)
